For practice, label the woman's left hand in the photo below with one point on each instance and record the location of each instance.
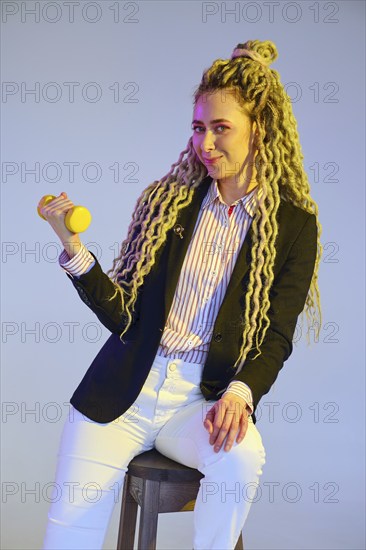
(225, 417)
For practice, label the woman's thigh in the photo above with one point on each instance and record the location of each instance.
(185, 439)
(92, 460)
(91, 467)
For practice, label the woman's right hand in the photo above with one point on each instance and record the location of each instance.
(55, 212)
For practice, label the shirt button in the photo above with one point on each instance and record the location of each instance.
(172, 367)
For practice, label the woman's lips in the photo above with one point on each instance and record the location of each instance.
(211, 161)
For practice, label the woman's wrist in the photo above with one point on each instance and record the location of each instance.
(72, 247)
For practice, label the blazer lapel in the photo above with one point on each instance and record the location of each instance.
(242, 264)
(186, 221)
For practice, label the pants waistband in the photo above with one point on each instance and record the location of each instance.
(169, 364)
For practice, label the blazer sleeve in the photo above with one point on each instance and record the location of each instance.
(95, 288)
(287, 298)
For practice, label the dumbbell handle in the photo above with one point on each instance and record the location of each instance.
(77, 218)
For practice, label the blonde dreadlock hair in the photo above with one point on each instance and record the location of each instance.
(280, 172)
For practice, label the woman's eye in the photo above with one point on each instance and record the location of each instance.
(194, 128)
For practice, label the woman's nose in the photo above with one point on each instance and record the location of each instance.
(207, 142)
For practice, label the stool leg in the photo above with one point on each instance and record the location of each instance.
(149, 515)
(127, 522)
(239, 544)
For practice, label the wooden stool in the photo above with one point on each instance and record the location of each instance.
(158, 484)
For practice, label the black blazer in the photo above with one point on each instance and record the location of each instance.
(119, 370)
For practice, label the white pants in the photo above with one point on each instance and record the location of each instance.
(168, 414)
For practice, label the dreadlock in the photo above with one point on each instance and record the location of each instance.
(280, 173)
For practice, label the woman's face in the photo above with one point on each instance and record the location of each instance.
(230, 140)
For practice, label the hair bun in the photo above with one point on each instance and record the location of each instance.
(263, 52)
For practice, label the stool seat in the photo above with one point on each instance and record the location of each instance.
(158, 485)
(157, 467)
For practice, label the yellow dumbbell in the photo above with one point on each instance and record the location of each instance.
(77, 218)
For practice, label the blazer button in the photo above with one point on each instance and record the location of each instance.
(218, 337)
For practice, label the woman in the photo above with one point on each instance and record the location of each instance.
(221, 256)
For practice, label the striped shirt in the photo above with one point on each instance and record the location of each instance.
(207, 267)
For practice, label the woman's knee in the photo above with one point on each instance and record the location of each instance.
(245, 459)
(88, 506)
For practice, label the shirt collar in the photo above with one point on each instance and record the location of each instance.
(249, 201)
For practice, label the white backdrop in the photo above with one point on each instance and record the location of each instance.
(105, 87)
